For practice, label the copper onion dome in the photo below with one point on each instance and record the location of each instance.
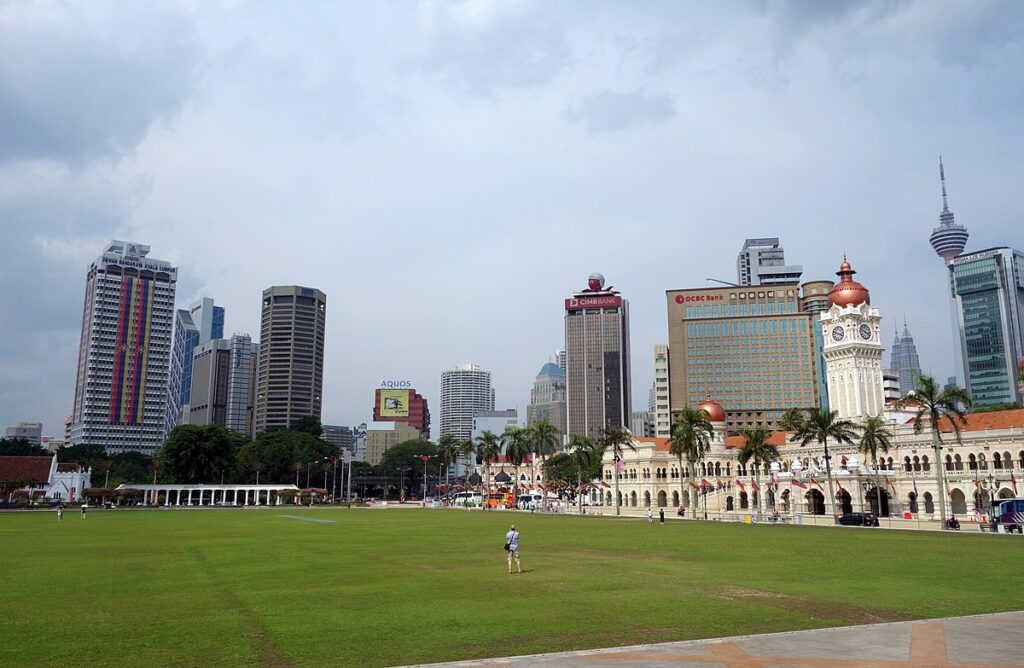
(847, 292)
(714, 409)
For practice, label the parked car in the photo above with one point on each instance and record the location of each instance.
(858, 520)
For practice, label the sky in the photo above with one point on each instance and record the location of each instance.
(448, 173)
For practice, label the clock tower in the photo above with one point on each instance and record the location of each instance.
(853, 348)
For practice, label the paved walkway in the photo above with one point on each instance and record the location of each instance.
(983, 641)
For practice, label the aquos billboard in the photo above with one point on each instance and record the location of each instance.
(394, 403)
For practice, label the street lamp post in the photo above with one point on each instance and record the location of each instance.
(425, 459)
(401, 492)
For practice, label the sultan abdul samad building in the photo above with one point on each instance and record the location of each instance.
(989, 462)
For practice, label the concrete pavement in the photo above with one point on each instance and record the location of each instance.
(981, 641)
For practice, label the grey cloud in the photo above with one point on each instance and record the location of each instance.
(76, 84)
(610, 111)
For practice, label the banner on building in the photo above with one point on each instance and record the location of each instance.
(394, 403)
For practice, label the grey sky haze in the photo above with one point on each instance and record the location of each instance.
(449, 172)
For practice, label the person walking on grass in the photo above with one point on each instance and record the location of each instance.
(661, 516)
(60, 513)
(512, 547)
(85, 507)
(650, 516)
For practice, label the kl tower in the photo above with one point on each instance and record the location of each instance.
(948, 240)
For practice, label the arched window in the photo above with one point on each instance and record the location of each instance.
(728, 465)
(728, 503)
(982, 463)
(925, 466)
(929, 503)
(1007, 461)
(949, 462)
(718, 468)
(744, 502)
(972, 462)
(632, 499)
(1020, 460)
(958, 463)
(647, 499)
(912, 502)
(997, 461)
(675, 499)
(906, 464)
(917, 463)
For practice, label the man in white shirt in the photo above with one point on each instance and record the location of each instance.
(512, 546)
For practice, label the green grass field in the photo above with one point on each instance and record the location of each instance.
(382, 587)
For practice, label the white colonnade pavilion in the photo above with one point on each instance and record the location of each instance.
(211, 495)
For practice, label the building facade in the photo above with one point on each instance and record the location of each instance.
(853, 349)
(465, 390)
(988, 293)
(242, 385)
(290, 370)
(201, 322)
(402, 405)
(28, 431)
(597, 360)
(124, 352)
(763, 262)
(905, 362)
(547, 398)
(661, 406)
(211, 366)
(752, 348)
(382, 436)
(341, 437)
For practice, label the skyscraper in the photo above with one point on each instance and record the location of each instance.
(124, 351)
(763, 262)
(547, 398)
(290, 372)
(196, 325)
(988, 292)
(597, 359)
(662, 408)
(223, 383)
(752, 349)
(465, 389)
(904, 361)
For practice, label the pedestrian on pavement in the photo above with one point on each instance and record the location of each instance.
(650, 515)
(661, 516)
(512, 547)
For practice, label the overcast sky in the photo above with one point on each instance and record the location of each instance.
(449, 172)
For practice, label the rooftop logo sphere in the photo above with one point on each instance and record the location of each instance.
(596, 282)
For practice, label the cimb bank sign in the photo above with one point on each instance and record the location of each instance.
(396, 384)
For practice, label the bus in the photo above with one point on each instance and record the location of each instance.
(468, 499)
(1009, 514)
(499, 500)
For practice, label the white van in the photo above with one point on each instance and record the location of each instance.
(530, 500)
(468, 499)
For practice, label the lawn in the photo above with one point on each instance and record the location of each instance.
(372, 587)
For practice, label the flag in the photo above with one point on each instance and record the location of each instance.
(719, 484)
(706, 485)
(739, 483)
(815, 482)
(893, 487)
(605, 485)
(799, 484)
(754, 486)
(693, 484)
(1013, 481)
(620, 466)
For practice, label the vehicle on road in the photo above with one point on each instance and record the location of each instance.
(858, 520)
(468, 499)
(1009, 513)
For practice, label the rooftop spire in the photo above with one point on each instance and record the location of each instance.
(948, 239)
(942, 178)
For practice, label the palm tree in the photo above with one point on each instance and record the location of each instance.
(757, 448)
(875, 437)
(933, 404)
(820, 425)
(297, 467)
(691, 438)
(257, 466)
(792, 419)
(545, 438)
(487, 447)
(517, 449)
(582, 451)
(447, 449)
(615, 438)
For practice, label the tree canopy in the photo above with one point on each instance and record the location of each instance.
(196, 454)
(20, 447)
(406, 455)
(281, 451)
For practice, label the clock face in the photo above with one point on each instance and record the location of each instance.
(838, 333)
(865, 332)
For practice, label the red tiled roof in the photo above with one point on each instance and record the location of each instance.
(69, 467)
(660, 444)
(35, 470)
(982, 421)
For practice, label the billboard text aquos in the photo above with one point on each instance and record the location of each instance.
(396, 384)
(394, 403)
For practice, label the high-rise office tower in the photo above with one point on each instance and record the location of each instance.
(988, 292)
(402, 405)
(948, 240)
(28, 431)
(597, 360)
(223, 384)
(124, 352)
(192, 326)
(341, 437)
(662, 408)
(751, 348)
(547, 398)
(290, 375)
(465, 389)
(853, 349)
(560, 356)
(904, 362)
(814, 300)
(763, 262)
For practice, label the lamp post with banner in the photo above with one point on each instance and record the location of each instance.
(425, 459)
